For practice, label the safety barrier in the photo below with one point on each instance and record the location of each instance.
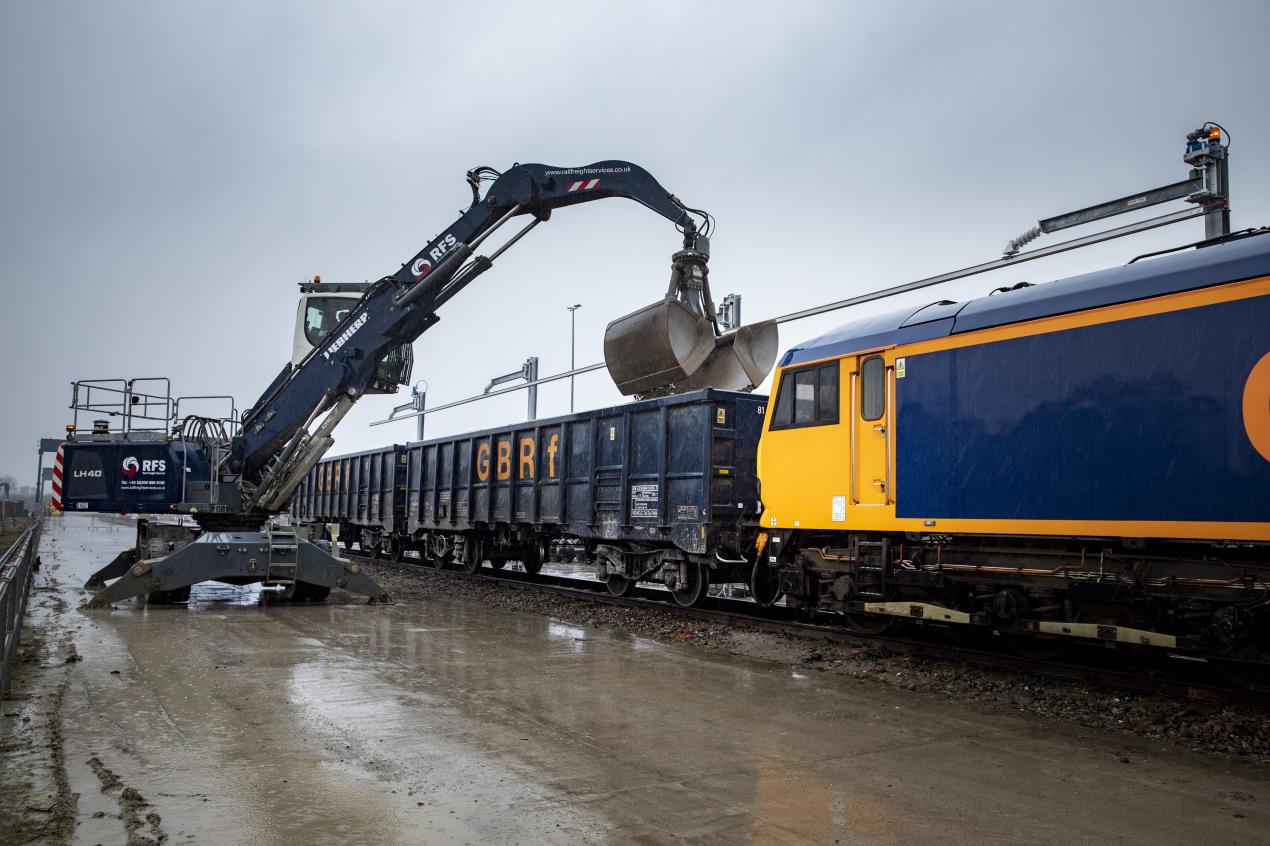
(17, 569)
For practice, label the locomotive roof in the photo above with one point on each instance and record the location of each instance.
(1232, 261)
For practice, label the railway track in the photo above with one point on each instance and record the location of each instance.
(1176, 677)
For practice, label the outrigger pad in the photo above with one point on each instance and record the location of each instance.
(116, 568)
(271, 558)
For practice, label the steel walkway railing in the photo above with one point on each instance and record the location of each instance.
(17, 571)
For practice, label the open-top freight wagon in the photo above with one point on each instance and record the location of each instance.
(363, 493)
(663, 490)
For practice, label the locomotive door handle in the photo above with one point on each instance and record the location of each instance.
(880, 485)
(880, 429)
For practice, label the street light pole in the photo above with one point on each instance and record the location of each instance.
(573, 365)
(419, 399)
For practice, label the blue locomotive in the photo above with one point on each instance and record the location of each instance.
(1084, 458)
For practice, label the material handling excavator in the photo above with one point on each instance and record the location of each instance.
(233, 473)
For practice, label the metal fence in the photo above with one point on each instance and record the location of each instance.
(17, 569)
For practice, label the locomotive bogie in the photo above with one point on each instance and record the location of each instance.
(1175, 596)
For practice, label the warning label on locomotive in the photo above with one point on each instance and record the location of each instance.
(644, 500)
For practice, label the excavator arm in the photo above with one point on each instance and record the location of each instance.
(277, 445)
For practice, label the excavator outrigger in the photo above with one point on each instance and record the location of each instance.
(233, 475)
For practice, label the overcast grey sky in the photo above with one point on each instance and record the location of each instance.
(172, 170)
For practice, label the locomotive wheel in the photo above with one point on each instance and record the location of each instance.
(764, 585)
(619, 585)
(1245, 676)
(694, 592)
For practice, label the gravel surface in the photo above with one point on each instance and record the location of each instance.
(1235, 731)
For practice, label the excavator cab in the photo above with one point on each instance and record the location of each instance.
(677, 344)
(322, 307)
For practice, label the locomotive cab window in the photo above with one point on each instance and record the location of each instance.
(807, 397)
(873, 388)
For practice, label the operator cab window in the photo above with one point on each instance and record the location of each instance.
(322, 314)
(807, 397)
(873, 388)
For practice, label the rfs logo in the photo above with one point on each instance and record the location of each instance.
(443, 246)
(150, 465)
(422, 266)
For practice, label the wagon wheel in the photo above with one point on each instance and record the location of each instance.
(534, 556)
(619, 585)
(396, 549)
(442, 553)
(473, 553)
(370, 544)
(764, 585)
(694, 592)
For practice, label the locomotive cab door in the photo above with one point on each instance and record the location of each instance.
(871, 432)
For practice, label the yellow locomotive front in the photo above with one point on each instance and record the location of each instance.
(1077, 459)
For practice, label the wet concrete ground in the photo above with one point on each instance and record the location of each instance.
(443, 721)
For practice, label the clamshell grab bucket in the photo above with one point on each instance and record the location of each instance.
(666, 348)
(741, 360)
(674, 345)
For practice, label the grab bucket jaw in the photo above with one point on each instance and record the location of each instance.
(740, 361)
(665, 348)
(674, 345)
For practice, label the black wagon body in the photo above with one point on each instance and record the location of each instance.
(364, 492)
(678, 470)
